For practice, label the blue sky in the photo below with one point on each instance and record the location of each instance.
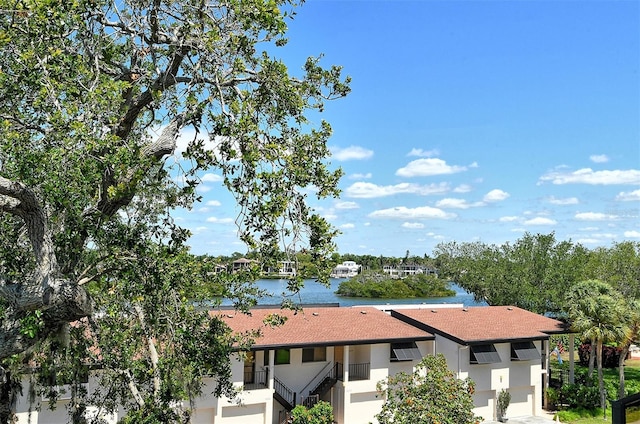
(469, 121)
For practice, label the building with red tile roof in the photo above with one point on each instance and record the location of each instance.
(339, 354)
(482, 324)
(322, 326)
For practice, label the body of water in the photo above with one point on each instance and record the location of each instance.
(314, 292)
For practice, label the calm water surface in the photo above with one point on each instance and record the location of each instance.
(314, 292)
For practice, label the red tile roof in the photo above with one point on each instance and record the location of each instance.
(325, 326)
(482, 323)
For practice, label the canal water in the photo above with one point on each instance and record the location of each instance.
(314, 292)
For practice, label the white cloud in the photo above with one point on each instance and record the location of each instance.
(366, 176)
(428, 167)
(566, 201)
(413, 225)
(462, 188)
(330, 216)
(369, 190)
(215, 220)
(455, 204)
(632, 234)
(347, 226)
(508, 219)
(402, 212)
(540, 221)
(213, 203)
(495, 195)
(347, 205)
(589, 176)
(628, 196)
(423, 153)
(599, 158)
(351, 153)
(594, 216)
(211, 178)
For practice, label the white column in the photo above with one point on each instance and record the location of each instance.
(272, 367)
(345, 359)
(547, 373)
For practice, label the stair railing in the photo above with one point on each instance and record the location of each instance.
(322, 372)
(284, 392)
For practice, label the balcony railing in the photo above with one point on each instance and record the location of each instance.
(359, 371)
(255, 380)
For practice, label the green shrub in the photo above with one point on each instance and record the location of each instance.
(580, 396)
(320, 413)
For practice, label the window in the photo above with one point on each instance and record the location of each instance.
(283, 356)
(524, 351)
(484, 354)
(407, 351)
(314, 354)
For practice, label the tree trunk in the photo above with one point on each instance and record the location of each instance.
(600, 374)
(623, 356)
(592, 357)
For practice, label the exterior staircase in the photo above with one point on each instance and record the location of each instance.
(284, 395)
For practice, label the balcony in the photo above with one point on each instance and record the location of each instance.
(359, 372)
(255, 380)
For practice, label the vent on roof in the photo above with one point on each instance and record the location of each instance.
(434, 311)
(524, 351)
(363, 312)
(484, 354)
(465, 310)
(509, 308)
(315, 314)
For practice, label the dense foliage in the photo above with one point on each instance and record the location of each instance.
(382, 286)
(320, 413)
(430, 395)
(95, 96)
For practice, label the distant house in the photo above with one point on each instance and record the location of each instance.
(284, 269)
(346, 269)
(403, 270)
(240, 264)
(219, 269)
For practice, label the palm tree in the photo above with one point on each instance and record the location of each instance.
(597, 311)
(631, 334)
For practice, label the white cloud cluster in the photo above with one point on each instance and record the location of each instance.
(630, 196)
(599, 158)
(366, 176)
(347, 205)
(589, 176)
(495, 195)
(562, 202)
(365, 190)
(595, 216)
(421, 212)
(540, 220)
(351, 153)
(429, 167)
(413, 225)
(423, 153)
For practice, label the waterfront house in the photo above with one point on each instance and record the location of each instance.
(346, 269)
(240, 264)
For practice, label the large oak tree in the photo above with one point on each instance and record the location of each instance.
(94, 95)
